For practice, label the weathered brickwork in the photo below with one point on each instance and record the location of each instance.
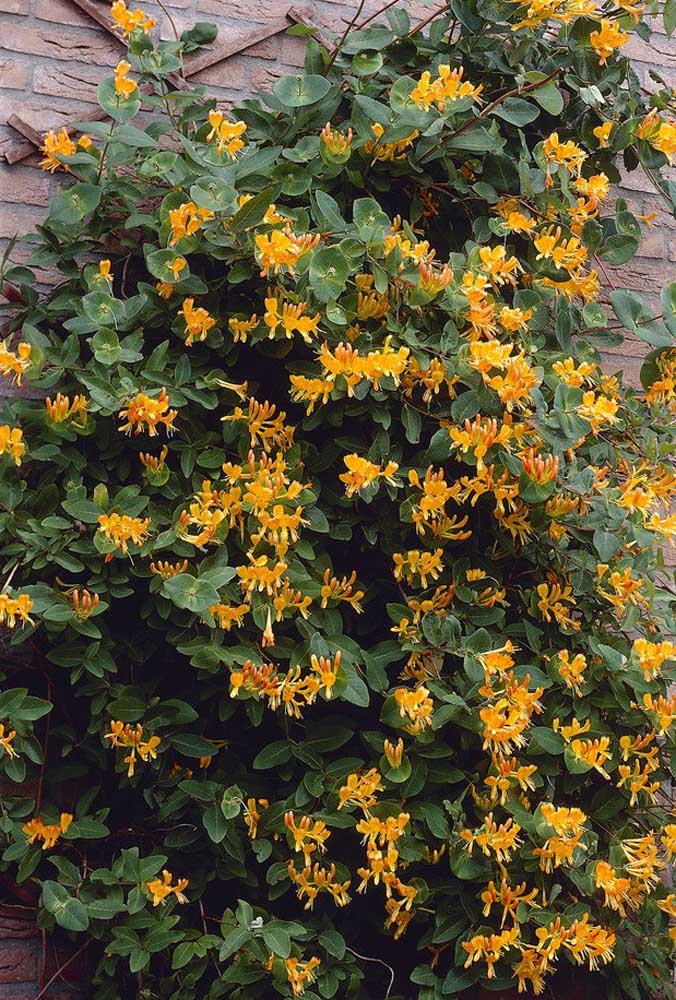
(51, 59)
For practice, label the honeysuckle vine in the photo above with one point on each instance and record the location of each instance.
(339, 630)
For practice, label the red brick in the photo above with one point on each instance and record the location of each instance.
(246, 10)
(19, 221)
(232, 73)
(17, 922)
(64, 12)
(13, 74)
(24, 185)
(84, 46)
(40, 112)
(68, 80)
(18, 962)
(293, 50)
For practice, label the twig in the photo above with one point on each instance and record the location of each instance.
(372, 17)
(76, 954)
(423, 24)
(169, 18)
(365, 958)
(341, 41)
(9, 578)
(45, 747)
(487, 110)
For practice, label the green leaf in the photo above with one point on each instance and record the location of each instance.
(251, 213)
(159, 264)
(233, 941)
(106, 347)
(118, 108)
(73, 204)
(213, 194)
(633, 313)
(668, 301)
(301, 91)
(545, 740)
(277, 939)
(83, 510)
(329, 270)
(132, 136)
(201, 33)
(516, 111)
(190, 592)
(669, 15)
(548, 96)
(192, 745)
(606, 544)
(271, 755)
(457, 980)
(231, 803)
(70, 913)
(333, 942)
(215, 824)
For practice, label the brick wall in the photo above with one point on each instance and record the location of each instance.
(51, 59)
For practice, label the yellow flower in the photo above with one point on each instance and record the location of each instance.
(49, 833)
(660, 134)
(127, 20)
(415, 705)
(166, 569)
(228, 134)
(444, 90)
(300, 974)
(228, 615)
(57, 144)
(155, 464)
(291, 319)
(607, 39)
(198, 322)
(241, 328)
(501, 840)
(593, 753)
(144, 410)
(131, 737)
(124, 87)
(361, 473)
(6, 741)
(11, 442)
(552, 602)
(61, 409)
(417, 563)
(334, 589)
(360, 790)
(84, 604)
(121, 529)
(164, 288)
(388, 151)
(185, 220)
(13, 365)
(335, 141)
(651, 656)
(394, 752)
(572, 671)
(282, 248)
(490, 948)
(159, 889)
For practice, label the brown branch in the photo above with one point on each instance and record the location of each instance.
(517, 91)
(423, 24)
(372, 17)
(76, 954)
(231, 48)
(350, 25)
